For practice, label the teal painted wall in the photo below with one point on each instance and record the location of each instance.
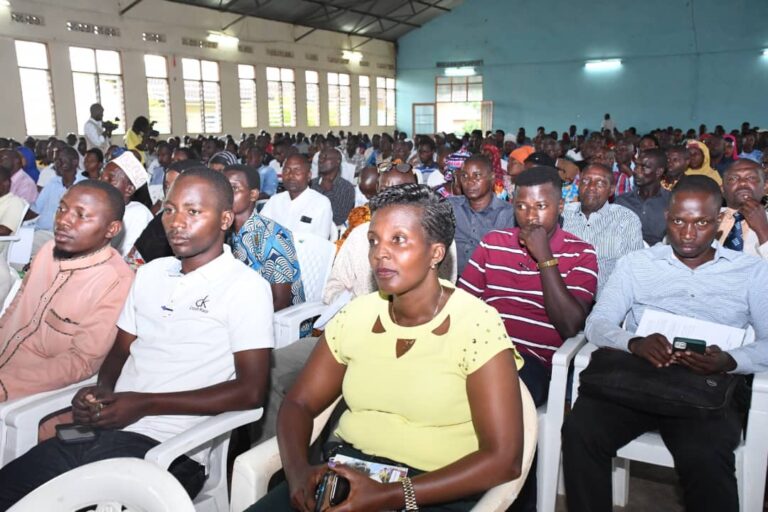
(685, 62)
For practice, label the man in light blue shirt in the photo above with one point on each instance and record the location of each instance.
(267, 174)
(690, 277)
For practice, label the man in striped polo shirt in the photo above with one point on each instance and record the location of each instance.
(541, 279)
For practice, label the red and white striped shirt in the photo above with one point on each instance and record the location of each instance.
(504, 275)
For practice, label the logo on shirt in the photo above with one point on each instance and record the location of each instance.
(201, 305)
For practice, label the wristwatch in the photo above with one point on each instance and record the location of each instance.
(410, 495)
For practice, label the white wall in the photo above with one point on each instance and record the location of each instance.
(176, 21)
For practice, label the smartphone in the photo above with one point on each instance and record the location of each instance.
(694, 345)
(71, 433)
(332, 490)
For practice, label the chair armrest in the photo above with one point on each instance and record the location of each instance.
(568, 350)
(211, 428)
(251, 474)
(10, 238)
(287, 322)
(558, 383)
(580, 362)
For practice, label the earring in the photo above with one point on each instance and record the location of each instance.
(433, 266)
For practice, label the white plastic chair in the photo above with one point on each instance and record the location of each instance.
(751, 454)
(210, 437)
(19, 419)
(254, 468)
(315, 257)
(551, 417)
(138, 485)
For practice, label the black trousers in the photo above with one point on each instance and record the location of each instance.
(702, 451)
(52, 458)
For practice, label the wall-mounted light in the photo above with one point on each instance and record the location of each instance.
(352, 56)
(5, 3)
(223, 39)
(602, 64)
(765, 52)
(461, 71)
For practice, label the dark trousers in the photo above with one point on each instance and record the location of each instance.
(536, 377)
(279, 498)
(702, 451)
(53, 458)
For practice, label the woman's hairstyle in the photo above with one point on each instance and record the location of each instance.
(437, 217)
(97, 153)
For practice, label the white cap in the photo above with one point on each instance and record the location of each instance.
(132, 168)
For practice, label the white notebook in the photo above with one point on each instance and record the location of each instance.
(672, 326)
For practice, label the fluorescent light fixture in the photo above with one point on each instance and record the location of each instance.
(351, 56)
(765, 52)
(602, 64)
(5, 3)
(462, 71)
(223, 39)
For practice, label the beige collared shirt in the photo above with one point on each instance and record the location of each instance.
(751, 243)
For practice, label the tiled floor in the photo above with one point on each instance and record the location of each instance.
(651, 489)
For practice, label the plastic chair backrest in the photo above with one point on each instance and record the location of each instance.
(315, 257)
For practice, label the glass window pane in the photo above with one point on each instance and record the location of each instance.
(313, 104)
(333, 104)
(459, 92)
(345, 105)
(475, 92)
(289, 104)
(210, 70)
(343, 79)
(82, 59)
(108, 61)
(443, 80)
(365, 106)
(312, 77)
(85, 95)
(111, 98)
(159, 104)
(364, 81)
(286, 75)
(155, 66)
(194, 106)
(381, 107)
(31, 55)
(390, 107)
(475, 79)
(38, 101)
(443, 92)
(246, 72)
(380, 82)
(190, 70)
(274, 103)
(333, 78)
(390, 83)
(273, 74)
(248, 114)
(212, 107)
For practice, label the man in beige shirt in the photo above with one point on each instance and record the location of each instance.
(59, 328)
(744, 224)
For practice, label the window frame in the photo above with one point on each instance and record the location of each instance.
(97, 77)
(245, 123)
(47, 70)
(167, 86)
(202, 91)
(281, 100)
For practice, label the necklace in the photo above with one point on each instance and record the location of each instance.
(434, 313)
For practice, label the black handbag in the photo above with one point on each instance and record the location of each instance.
(676, 391)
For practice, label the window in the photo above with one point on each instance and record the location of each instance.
(385, 101)
(248, 114)
(202, 95)
(36, 91)
(158, 93)
(313, 98)
(459, 88)
(364, 85)
(97, 77)
(281, 97)
(339, 100)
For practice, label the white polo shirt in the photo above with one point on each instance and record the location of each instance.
(188, 327)
(310, 212)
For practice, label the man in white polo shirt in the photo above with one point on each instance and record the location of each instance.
(300, 208)
(193, 340)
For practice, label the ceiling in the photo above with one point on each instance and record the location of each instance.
(378, 19)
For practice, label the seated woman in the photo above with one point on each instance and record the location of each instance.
(427, 371)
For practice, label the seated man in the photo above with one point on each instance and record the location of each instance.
(478, 211)
(300, 208)
(678, 160)
(540, 278)
(611, 229)
(339, 191)
(127, 175)
(45, 206)
(261, 243)
(21, 184)
(744, 226)
(193, 340)
(648, 199)
(693, 278)
(12, 209)
(59, 328)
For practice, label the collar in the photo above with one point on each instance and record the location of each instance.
(97, 257)
(665, 252)
(495, 204)
(214, 270)
(604, 210)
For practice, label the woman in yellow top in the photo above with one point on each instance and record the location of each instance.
(699, 153)
(427, 371)
(135, 138)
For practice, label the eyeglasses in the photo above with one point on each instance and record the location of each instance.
(388, 166)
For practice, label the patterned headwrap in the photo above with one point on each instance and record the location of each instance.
(223, 157)
(494, 155)
(735, 154)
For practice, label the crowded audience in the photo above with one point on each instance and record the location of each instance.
(462, 264)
